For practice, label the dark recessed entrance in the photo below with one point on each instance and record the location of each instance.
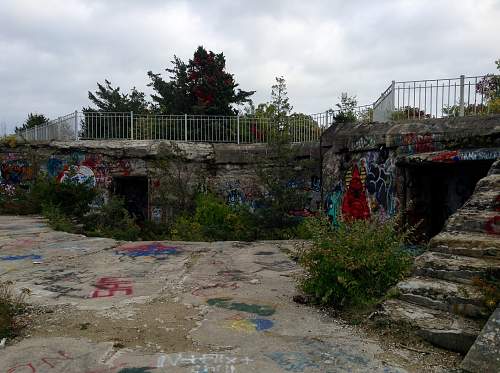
(134, 190)
(434, 191)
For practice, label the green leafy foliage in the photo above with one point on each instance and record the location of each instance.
(346, 109)
(12, 304)
(355, 263)
(201, 86)
(112, 220)
(214, 220)
(33, 120)
(70, 197)
(110, 99)
(57, 219)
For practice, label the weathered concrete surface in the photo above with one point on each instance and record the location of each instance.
(442, 299)
(106, 306)
(484, 355)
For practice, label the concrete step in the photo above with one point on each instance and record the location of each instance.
(467, 244)
(473, 221)
(455, 268)
(440, 328)
(460, 299)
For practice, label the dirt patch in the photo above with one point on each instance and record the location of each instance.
(157, 326)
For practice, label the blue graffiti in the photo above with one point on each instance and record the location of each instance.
(333, 204)
(292, 361)
(54, 167)
(153, 249)
(262, 324)
(21, 257)
(315, 184)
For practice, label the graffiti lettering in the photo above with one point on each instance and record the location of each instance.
(108, 286)
(50, 361)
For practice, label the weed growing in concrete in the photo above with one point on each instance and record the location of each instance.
(489, 286)
(356, 263)
(11, 306)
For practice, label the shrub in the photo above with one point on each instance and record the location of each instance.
(57, 219)
(112, 220)
(355, 263)
(11, 305)
(71, 198)
(214, 220)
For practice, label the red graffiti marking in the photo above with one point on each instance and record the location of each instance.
(29, 365)
(45, 360)
(108, 286)
(445, 156)
(355, 204)
(492, 226)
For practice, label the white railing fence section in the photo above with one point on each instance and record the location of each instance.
(416, 99)
(434, 98)
(197, 128)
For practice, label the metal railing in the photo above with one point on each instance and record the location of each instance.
(435, 98)
(194, 128)
(416, 99)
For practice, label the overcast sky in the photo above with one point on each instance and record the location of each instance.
(52, 52)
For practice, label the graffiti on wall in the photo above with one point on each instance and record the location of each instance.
(367, 187)
(412, 143)
(15, 170)
(466, 155)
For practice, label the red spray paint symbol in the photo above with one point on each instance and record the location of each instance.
(355, 204)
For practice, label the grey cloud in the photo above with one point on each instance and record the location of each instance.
(53, 52)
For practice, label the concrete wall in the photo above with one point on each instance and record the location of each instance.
(228, 169)
(367, 168)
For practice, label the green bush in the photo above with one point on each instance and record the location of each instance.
(111, 220)
(214, 220)
(355, 263)
(72, 198)
(57, 219)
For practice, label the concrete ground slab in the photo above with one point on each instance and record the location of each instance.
(222, 307)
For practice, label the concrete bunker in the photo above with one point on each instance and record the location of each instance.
(135, 192)
(435, 189)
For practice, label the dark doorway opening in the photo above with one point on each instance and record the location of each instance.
(134, 190)
(434, 191)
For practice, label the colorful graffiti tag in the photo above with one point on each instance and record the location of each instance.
(258, 309)
(251, 325)
(15, 171)
(154, 249)
(466, 155)
(354, 203)
(368, 188)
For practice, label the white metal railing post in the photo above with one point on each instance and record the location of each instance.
(392, 101)
(186, 127)
(131, 125)
(76, 126)
(238, 129)
(462, 92)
